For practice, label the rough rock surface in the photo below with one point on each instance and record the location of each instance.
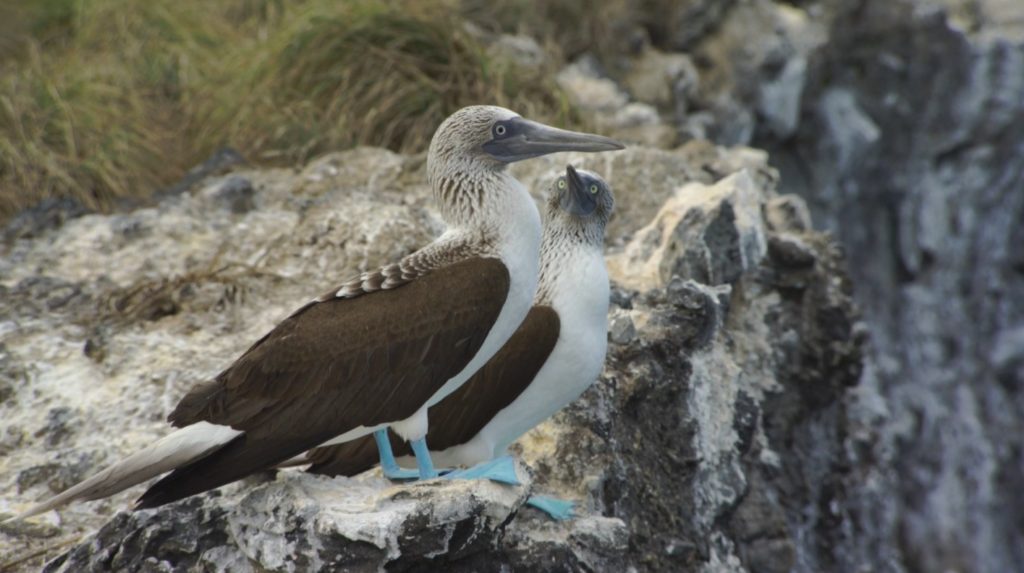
(910, 147)
(108, 319)
(306, 523)
(901, 123)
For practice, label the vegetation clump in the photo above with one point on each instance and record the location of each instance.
(107, 99)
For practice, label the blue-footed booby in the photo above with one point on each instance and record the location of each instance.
(377, 351)
(556, 353)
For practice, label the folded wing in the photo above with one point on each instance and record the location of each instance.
(337, 365)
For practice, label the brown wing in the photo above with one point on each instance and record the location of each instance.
(460, 416)
(336, 365)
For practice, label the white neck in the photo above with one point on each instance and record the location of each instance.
(502, 218)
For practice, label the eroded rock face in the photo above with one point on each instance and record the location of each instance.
(724, 302)
(901, 124)
(910, 150)
(692, 435)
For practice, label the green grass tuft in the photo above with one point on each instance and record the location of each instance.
(103, 99)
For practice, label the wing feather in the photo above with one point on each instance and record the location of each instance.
(460, 416)
(338, 364)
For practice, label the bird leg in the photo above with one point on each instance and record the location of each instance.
(423, 461)
(391, 468)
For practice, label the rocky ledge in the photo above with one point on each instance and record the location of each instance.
(732, 335)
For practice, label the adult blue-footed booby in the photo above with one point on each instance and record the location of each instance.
(380, 349)
(556, 353)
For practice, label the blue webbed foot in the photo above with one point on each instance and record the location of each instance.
(557, 509)
(501, 470)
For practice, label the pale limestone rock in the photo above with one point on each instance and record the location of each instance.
(713, 234)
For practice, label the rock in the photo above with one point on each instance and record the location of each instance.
(235, 193)
(640, 123)
(57, 427)
(301, 522)
(588, 543)
(677, 25)
(781, 98)
(69, 469)
(682, 429)
(787, 213)
(222, 160)
(909, 152)
(712, 234)
(665, 80)
(899, 125)
(49, 214)
(523, 51)
(720, 354)
(849, 126)
(751, 67)
(620, 328)
(790, 250)
(609, 107)
(11, 376)
(589, 90)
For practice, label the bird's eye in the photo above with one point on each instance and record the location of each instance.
(593, 189)
(561, 183)
(500, 130)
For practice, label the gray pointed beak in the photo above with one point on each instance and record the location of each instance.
(525, 139)
(577, 200)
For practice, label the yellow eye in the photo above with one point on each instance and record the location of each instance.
(561, 183)
(593, 189)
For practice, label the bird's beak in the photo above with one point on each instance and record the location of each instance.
(527, 139)
(577, 200)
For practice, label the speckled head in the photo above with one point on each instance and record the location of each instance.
(582, 202)
(468, 155)
(492, 137)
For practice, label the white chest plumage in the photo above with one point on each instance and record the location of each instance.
(518, 245)
(580, 295)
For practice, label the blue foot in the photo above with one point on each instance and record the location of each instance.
(557, 509)
(423, 461)
(388, 464)
(501, 470)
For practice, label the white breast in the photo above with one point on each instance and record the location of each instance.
(518, 229)
(580, 296)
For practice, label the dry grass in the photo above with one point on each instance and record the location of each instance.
(377, 74)
(102, 99)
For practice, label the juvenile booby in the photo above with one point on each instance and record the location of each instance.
(557, 352)
(380, 349)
